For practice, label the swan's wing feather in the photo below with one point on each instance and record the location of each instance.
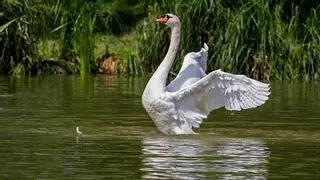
(193, 69)
(219, 89)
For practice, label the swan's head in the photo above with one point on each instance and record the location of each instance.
(170, 20)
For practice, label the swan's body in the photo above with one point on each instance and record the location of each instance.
(189, 98)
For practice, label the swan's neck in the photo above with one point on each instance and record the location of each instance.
(159, 78)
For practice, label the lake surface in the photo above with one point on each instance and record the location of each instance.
(38, 117)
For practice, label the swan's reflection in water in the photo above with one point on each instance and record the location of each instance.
(181, 158)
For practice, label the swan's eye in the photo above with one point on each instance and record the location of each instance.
(167, 16)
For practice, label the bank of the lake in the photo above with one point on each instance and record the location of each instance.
(269, 40)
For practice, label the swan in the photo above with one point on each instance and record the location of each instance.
(182, 105)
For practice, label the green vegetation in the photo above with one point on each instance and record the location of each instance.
(42, 36)
(17, 41)
(262, 39)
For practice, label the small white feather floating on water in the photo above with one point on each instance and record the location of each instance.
(79, 133)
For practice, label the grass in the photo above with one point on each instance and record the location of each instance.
(84, 38)
(28, 27)
(262, 39)
(16, 38)
(124, 48)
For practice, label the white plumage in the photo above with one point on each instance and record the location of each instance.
(79, 133)
(192, 95)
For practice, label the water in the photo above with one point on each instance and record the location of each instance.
(38, 116)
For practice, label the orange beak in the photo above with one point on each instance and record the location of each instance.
(163, 20)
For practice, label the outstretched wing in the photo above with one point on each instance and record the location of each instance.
(193, 68)
(219, 89)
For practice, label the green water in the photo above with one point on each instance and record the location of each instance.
(38, 116)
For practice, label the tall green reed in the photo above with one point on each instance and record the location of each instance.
(26, 46)
(77, 35)
(262, 39)
(17, 41)
(31, 30)
(84, 38)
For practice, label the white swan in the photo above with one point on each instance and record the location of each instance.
(189, 98)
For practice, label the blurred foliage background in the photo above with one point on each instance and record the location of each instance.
(264, 39)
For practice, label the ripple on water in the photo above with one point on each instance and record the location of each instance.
(176, 158)
(5, 95)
